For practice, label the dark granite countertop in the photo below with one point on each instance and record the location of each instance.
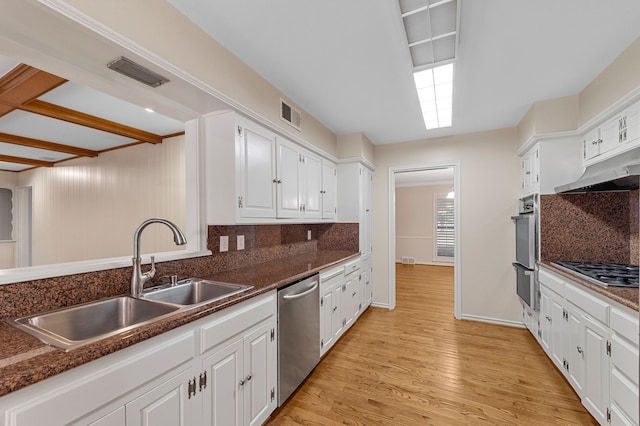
(628, 297)
(24, 360)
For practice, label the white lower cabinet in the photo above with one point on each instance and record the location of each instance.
(164, 405)
(219, 370)
(594, 342)
(345, 292)
(241, 388)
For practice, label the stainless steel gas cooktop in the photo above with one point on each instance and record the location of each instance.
(604, 274)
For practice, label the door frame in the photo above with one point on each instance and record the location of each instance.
(392, 227)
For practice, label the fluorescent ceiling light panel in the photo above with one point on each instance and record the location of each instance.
(435, 92)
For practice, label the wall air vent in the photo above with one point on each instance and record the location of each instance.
(290, 115)
(408, 260)
(137, 72)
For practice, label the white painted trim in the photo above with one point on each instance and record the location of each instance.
(489, 320)
(604, 115)
(457, 285)
(17, 275)
(380, 305)
(368, 164)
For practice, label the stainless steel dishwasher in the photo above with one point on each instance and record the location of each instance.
(298, 334)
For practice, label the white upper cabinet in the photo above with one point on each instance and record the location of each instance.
(355, 200)
(256, 195)
(255, 176)
(549, 163)
(329, 189)
(616, 135)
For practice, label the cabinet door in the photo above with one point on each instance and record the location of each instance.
(257, 172)
(165, 405)
(596, 360)
(312, 199)
(114, 418)
(591, 144)
(347, 303)
(632, 123)
(329, 190)
(222, 403)
(368, 287)
(259, 374)
(557, 331)
(337, 317)
(610, 135)
(290, 169)
(326, 319)
(575, 350)
(366, 206)
(545, 320)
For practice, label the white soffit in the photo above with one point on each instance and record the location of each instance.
(425, 177)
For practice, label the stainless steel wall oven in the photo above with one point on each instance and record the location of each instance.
(527, 251)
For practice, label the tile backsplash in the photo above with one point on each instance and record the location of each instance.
(262, 244)
(590, 227)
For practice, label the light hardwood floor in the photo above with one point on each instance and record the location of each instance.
(417, 365)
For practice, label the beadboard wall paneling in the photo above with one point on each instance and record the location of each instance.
(89, 208)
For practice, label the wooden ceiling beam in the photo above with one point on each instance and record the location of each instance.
(49, 146)
(80, 118)
(29, 161)
(24, 83)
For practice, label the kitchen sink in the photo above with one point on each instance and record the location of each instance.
(193, 292)
(75, 326)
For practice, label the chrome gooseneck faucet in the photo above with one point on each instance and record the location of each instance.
(138, 278)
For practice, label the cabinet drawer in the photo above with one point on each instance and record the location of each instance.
(625, 395)
(351, 267)
(331, 277)
(236, 319)
(625, 324)
(592, 306)
(551, 281)
(624, 356)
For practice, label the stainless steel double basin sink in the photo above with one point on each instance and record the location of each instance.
(72, 327)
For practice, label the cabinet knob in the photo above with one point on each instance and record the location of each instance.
(248, 377)
(579, 349)
(548, 318)
(335, 308)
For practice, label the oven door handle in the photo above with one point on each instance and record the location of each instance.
(527, 271)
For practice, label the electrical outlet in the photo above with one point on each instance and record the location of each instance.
(309, 234)
(224, 243)
(240, 242)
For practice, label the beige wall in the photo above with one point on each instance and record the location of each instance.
(489, 191)
(173, 37)
(89, 208)
(618, 79)
(355, 145)
(415, 209)
(570, 112)
(8, 179)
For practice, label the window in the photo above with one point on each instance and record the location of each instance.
(445, 228)
(6, 215)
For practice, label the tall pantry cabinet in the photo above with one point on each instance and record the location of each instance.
(355, 205)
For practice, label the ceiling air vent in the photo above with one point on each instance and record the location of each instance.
(290, 115)
(137, 72)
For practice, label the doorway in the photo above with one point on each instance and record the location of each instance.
(440, 244)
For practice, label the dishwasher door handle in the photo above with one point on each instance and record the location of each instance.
(298, 295)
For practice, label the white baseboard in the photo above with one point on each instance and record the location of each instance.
(380, 305)
(509, 323)
(426, 263)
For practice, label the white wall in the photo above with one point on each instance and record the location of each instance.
(415, 210)
(489, 192)
(89, 208)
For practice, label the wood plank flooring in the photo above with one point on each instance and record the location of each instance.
(417, 365)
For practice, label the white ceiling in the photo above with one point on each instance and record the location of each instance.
(347, 62)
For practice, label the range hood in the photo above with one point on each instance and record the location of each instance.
(619, 173)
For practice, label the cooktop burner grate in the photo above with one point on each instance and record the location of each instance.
(605, 274)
